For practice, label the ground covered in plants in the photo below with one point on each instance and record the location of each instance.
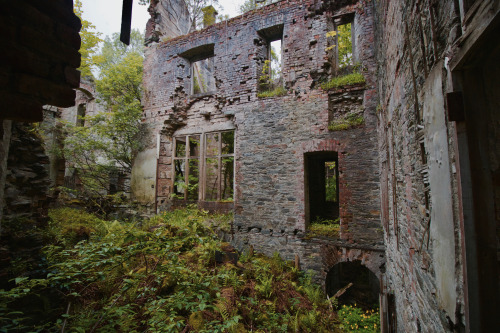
(170, 273)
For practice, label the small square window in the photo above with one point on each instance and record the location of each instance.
(203, 76)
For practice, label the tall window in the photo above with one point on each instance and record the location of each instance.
(186, 165)
(272, 67)
(204, 167)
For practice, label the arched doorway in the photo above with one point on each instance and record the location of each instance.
(365, 288)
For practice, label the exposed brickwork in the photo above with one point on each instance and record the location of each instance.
(274, 134)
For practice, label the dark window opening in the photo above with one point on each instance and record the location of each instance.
(322, 183)
(365, 288)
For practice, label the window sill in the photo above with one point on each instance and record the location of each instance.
(201, 95)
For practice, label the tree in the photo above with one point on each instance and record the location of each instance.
(113, 50)
(90, 41)
(249, 5)
(109, 140)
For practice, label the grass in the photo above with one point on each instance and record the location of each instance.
(326, 230)
(278, 91)
(345, 80)
(348, 121)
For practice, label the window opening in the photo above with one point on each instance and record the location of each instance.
(219, 162)
(341, 48)
(186, 167)
(271, 77)
(80, 115)
(210, 166)
(344, 48)
(322, 179)
(203, 76)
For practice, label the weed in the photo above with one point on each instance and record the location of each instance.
(346, 122)
(276, 92)
(345, 80)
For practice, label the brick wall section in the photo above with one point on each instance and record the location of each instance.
(273, 134)
(39, 57)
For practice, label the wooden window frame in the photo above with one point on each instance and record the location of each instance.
(202, 163)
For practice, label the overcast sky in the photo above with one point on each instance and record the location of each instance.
(106, 14)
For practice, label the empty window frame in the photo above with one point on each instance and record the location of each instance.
(80, 115)
(204, 171)
(271, 75)
(203, 76)
(219, 166)
(202, 68)
(186, 167)
(341, 42)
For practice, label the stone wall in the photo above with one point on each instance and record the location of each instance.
(26, 204)
(273, 135)
(169, 19)
(423, 179)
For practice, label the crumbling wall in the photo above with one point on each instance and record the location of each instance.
(273, 135)
(419, 153)
(169, 19)
(26, 204)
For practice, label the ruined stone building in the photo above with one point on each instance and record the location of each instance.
(415, 162)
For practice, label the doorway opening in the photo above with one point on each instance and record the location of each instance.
(322, 187)
(365, 288)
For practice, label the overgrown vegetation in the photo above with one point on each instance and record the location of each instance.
(354, 319)
(324, 227)
(276, 92)
(348, 121)
(161, 276)
(344, 80)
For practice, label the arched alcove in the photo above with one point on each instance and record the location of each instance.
(365, 289)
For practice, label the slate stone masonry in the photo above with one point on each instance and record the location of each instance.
(274, 134)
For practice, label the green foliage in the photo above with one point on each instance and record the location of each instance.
(90, 41)
(110, 140)
(161, 276)
(331, 182)
(113, 51)
(355, 319)
(345, 80)
(324, 227)
(348, 121)
(276, 92)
